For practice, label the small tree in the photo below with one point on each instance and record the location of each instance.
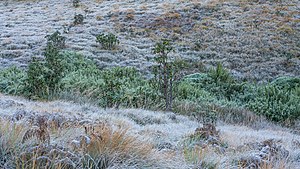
(43, 75)
(54, 65)
(166, 70)
(56, 40)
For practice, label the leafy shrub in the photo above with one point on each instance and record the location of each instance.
(198, 78)
(73, 61)
(135, 90)
(78, 19)
(85, 81)
(277, 104)
(76, 3)
(54, 66)
(12, 80)
(107, 41)
(43, 76)
(220, 74)
(36, 83)
(56, 40)
(191, 91)
(119, 86)
(287, 82)
(218, 82)
(223, 84)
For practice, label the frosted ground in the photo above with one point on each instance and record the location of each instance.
(254, 39)
(165, 131)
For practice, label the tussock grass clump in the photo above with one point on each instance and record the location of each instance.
(10, 142)
(100, 146)
(110, 147)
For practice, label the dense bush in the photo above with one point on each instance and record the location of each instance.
(78, 19)
(56, 40)
(166, 71)
(107, 41)
(202, 93)
(112, 87)
(12, 81)
(36, 85)
(276, 102)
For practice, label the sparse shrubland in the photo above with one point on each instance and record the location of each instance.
(63, 71)
(217, 75)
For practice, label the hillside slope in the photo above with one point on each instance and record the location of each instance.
(254, 39)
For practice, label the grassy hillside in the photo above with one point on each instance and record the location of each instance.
(255, 39)
(149, 84)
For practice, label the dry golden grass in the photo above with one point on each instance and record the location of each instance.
(10, 134)
(116, 145)
(40, 131)
(113, 140)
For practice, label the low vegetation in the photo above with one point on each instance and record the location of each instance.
(78, 19)
(213, 117)
(101, 146)
(68, 72)
(107, 41)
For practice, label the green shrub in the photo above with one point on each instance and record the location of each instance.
(141, 96)
(201, 79)
(76, 3)
(12, 80)
(107, 41)
(220, 74)
(123, 86)
(276, 103)
(219, 83)
(56, 40)
(85, 81)
(191, 91)
(115, 87)
(287, 82)
(36, 83)
(78, 19)
(73, 61)
(43, 76)
(55, 67)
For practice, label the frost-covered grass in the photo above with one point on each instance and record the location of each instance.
(110, 136)
(247, 36)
